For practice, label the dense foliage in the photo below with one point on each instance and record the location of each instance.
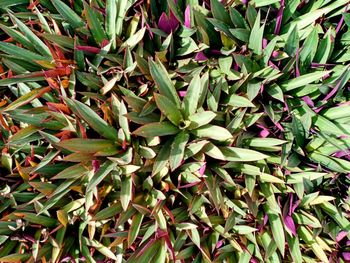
(188, 130)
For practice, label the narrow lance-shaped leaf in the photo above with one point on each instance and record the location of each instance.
(163, 81)
(213, 132)
(101, 173)
(134, 228)
(276, 228)
(178, 150)
(68, 14)
(94, 24)
(37, 43)
(111, 16)
(126, 191)
(191, 99)
(169, 109)
(156, 129)
(95, 121)
(303, 80)
(36, 93)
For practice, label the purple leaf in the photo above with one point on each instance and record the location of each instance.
(264, 133)
(297, 71)
(202, 169)
(264, 43)
(341, 20)
(200, 56)
(295, 205)
(215, 52)
(182, 93)
(279, 18)
(341, 154)
(308, 101)
(273, 65)
(168, 24)
(89, 49)
(188, 16)
(346, 255)
(288, 221)
(219, 244)
(266, 218)
(261, 88)
(95, 165)
(319, 65)
(164, 234)
(29, 238)
(245, 2)
(278, 125)
(341, 235)
(334, 90)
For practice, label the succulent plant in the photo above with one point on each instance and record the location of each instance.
(174, 131)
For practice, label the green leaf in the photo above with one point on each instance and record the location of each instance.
(276, 228)
(162, 158)
(212, 132)
(20, 53)
(156, 129)
(201, 118)
(61, 40)
(37, 219)
(303, 80)
(292, 42)
(96, 146)
(36, 42)
(163, 81)
(236, 154)
(133, 40)
(219, 12)
(276, 92)
(256, 36)
(263, 142)
(309, 239)
(68, 14)
(111, 16)
(338, 112)
(169, 109)
(91, 117)
(328, 126)
(25, 99)
(8, 3)
(243, 230)
(94, 24)
(17, 36)
(190, 102)
(71, 172)
(101, 248)
(294, 248)
(15, 258)
(178, 150)
(295, 178)
(260, 3)
(101, 173)
(134, 228)
(126, 191)
(239, 101)
(108, 212)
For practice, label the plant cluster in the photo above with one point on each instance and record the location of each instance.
(174, 131)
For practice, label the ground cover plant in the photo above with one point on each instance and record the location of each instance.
(163, 131)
